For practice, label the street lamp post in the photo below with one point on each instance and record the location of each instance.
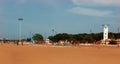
(20, 22)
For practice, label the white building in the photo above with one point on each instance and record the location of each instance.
(105, 33)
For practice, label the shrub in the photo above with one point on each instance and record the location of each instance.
(113, 42)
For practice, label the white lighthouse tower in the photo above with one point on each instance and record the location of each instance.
(105, 33)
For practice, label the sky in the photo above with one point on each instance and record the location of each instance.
(62, 16)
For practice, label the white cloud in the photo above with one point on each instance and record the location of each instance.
(77, 2)
(91, 12)
(97, 2)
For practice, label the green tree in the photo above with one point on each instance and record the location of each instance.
(62, 36)
(83, 37)
(37, 38)
(51, 38)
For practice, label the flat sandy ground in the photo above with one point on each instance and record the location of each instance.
(33, 54)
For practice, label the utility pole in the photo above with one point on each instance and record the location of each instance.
(20, 22)
(53, 32)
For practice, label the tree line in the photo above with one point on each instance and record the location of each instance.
(81, 38)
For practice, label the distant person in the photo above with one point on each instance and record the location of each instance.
(118, 43)
(74, 43)
(17, 42)
(22, 41)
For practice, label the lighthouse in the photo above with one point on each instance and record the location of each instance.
(105, 32)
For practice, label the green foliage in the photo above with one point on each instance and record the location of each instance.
(37, 37)
(113, 42)
(83, 37)
(63, 36)
(51, 38)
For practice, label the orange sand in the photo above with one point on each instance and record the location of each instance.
(29, 54)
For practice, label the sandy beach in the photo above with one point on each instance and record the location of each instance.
(30, 54)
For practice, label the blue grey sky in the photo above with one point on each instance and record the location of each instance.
(64, 16)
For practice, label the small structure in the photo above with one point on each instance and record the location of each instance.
(47, 41)
(105, 33)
